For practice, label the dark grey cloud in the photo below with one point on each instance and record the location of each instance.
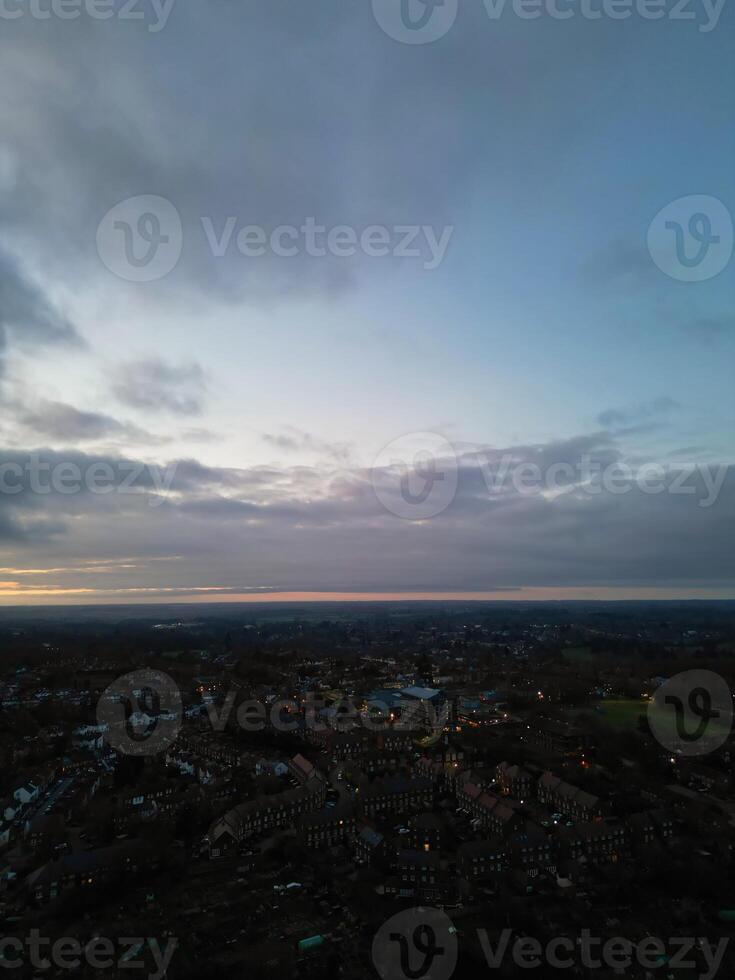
(322, 528)
(26, 313)
(155, 385)
(66, 424)
(282, 140)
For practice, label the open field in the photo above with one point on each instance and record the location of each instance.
(579, 654)
(622, 713)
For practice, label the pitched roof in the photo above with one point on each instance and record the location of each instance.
(299, 762)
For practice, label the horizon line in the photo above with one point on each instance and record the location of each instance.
(520, 594)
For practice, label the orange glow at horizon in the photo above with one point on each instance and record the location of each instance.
(12, 593)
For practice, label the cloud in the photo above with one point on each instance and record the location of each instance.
(199, 435)
(27, 318)
(76, 123)
(643, 417)
(292, 440)
(323, 528)
(66, 424)
(154, 385)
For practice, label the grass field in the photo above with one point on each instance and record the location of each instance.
(578, 654)
(623, 713)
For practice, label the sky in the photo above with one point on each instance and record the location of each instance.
(525, 260)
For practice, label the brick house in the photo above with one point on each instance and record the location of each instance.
(396, 795)
(427, 832)
(264, 814)
(327, 828)
(482, 859)
(558, 795)
(515, 781)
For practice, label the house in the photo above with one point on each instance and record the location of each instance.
(9, 807)
(598, 842)
(664, 821)
(266, 813)
(27, 793)
(396, 794)
(482, 859)
(496, 814)
(302, 769)
(327, 828)
(267, 767)
(468, 793)
(86, 869)
(555, 737)
(437, 769)
(427, 832)
(90, 737)
(641, 833)
(558, 795)
(43, 830)
(531, 851)
(420, 875)
(343, 746)
(370, 846)
(515, 781)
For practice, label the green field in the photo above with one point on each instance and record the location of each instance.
(579, 654)
(623, 713)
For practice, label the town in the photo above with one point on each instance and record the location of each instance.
(325, 769)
